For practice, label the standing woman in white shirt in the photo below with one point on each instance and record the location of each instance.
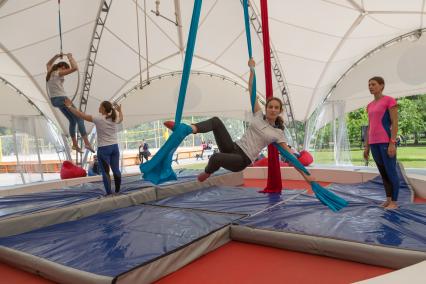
(58, 97)
(106, 130)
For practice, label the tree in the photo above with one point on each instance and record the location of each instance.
(411, 121)
(354, 121)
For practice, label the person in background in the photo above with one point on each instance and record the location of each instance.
(59, 99)
(381, 138)
(94, 167)
(106, 134)
(144, 151)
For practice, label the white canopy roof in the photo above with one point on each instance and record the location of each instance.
(317, 41)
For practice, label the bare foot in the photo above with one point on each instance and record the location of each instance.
(203, 176)
(78, 149)
(90, 148)
(392, 205)
(385, 204)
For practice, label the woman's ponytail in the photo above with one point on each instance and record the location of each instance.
(109, 110)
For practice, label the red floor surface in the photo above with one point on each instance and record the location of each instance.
(12, 275)
(238, 262)
(419, 200)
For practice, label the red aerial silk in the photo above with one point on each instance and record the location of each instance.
(274, 173)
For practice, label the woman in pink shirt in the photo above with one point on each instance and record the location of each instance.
(381, 138)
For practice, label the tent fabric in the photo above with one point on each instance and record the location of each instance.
(313, 50)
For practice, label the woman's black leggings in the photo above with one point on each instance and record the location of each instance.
(230, 157)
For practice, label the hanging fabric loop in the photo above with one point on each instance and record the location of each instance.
(60, 27)
(146, 43)
(139, 44)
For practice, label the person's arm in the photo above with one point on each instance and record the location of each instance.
(49, 64)
(252, 64)
(78, 113)
(366, 145)
(120, 113)
(73, 67)
(308, 178)
(393, 111)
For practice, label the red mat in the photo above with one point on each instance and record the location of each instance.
(247, 263)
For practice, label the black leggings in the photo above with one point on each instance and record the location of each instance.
(230, 157)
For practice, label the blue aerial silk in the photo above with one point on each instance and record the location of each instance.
(159, 168)
(327, 197)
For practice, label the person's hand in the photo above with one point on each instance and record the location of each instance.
(308, 178)
(366, 153)
(68, 102)
(251, 63)
(117, 107)
(391, 150)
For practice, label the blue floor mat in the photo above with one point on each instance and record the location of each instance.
(117, 241)
(227, 199)
(16, 205)
(374, 191)
(359, 222)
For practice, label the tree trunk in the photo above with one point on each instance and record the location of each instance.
(416, 138)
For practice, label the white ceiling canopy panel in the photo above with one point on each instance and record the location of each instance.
(399, 22)
(308, 43)
(173, 60)
(16, 105)
(41, 22)
(319, 16)
(301, 76)
(203, 98)
(353, 4)
(103, 84)
(401, 65)
(303, 95)
(37, 64)
(316, 43)
(214, 35)
(393, 5)
(18, 6)
(236, 57)
(112, 57)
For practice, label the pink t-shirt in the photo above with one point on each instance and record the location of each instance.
(380, 122)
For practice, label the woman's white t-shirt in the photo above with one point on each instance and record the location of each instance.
(56, 85)
(259, 135)
(106, 130)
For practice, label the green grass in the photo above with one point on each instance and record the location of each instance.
(410, 157)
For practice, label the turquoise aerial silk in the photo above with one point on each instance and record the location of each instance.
(159, 168)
